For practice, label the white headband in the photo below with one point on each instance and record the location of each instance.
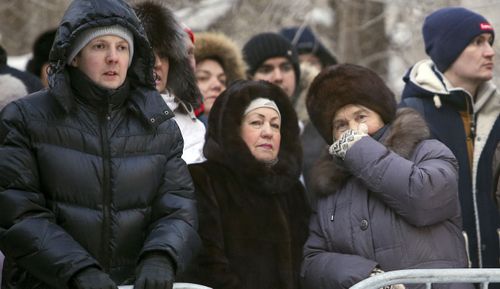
(262, 102)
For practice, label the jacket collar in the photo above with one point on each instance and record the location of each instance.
(423, 80)
(402, 137)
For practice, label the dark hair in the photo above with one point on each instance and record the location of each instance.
(3, 56)
(41, 51)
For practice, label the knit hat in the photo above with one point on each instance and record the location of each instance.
(304, 41)
(262, 102)
(339, 85)
(448, 31)
(86, 36)
(267, 45)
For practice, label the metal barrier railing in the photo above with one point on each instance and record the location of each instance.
(176, 286)
(429, 276)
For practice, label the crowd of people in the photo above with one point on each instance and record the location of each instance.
(135, 151)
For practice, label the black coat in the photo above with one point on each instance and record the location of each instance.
(89, 181)
(253, 219)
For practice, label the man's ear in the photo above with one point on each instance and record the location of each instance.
(74, 62)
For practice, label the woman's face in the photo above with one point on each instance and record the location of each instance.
(352, 116)
(161, 72)
(211, 81)
(260, 130)
(104, 60)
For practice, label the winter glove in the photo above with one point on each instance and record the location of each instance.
(155, 271)
(377, 271)
(340, 147)
(92, 278)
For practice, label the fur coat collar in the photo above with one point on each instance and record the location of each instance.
(402, 137)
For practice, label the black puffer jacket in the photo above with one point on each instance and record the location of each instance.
(89, 181)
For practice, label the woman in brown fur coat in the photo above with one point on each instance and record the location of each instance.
(253, 211)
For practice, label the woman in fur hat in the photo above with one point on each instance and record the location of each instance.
(218, 63)
(174, 76)
(252, 207)
(388, 195)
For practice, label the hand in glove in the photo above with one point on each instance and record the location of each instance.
(92, 278)
(377, 271)
(340, 147)
(155, 271)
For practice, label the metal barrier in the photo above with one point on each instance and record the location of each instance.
(176, 286)
(429, 276)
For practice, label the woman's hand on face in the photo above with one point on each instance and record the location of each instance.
(340, 147)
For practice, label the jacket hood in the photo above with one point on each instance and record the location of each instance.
(168, 39)
(425, 76)
(85, 14)
(214, 45)
(223, 143)
(404, 134)
(423, 80)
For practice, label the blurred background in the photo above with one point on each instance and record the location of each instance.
(383, 35)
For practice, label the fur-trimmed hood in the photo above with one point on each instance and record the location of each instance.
(216, 45)
(223, 143)
(402, 137)
(168, 39)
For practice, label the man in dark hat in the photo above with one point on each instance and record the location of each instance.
(454, 92)
(309, 46)
(39, 63)
(271, 57)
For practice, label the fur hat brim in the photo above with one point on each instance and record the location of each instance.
(339, 85)
(213, 45)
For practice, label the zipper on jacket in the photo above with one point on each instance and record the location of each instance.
(472, 122)
(106, 189)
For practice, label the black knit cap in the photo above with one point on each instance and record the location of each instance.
(342, 84)
(268, 45)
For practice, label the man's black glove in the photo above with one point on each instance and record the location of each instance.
(155, 271)
(92, 278)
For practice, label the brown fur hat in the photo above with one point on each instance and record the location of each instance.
(168, 39)
(217, 46)
(343, 84)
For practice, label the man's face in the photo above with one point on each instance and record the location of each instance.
(161, 73)
(475, 64)
(312, 59)
(279, 71)
(104, 60)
